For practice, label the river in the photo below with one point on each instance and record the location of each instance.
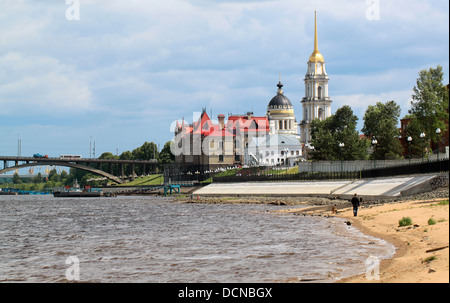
(148, 239)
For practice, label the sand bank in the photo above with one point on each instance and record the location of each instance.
(422, 249)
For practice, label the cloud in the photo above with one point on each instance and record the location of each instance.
(40, 85)
(129, 68)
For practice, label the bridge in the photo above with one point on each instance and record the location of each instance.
(95, 166)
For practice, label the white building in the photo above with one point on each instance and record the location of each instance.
(275, 149)
(281, 146)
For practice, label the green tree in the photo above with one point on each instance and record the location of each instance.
(339, 128)
(37, 178)
(16, 179)
(166, 156)
(430, 102)
(419, 146)
(108, 156)
(54, 176)
(380, 123)
(146, 152)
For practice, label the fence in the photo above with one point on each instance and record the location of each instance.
(338, 166)
(414, 168)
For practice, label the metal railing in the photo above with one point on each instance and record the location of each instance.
(417, 168)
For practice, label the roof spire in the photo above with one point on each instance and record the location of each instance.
(316, 41)
(316, 55)
(280, 86)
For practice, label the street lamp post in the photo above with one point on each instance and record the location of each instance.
(422, 136)
(286, 150)
(341, 146)
(409, 149)
(374, 144)
(311, 148)
(438, 133)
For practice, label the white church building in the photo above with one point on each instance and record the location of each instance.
(284, 145)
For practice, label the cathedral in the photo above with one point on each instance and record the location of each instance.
(274, 139)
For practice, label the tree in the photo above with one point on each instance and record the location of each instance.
(166, 156)
(429, 105)
(146, 152)
(380, 123)
(16, 179)
(108, 156)
(339, 128)
(37, 178)
(419, 146)
(54, 176)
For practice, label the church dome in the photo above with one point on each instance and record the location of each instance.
(280, 101)
(316, 57)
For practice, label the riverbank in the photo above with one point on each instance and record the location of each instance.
(422, 254)
(422, 248)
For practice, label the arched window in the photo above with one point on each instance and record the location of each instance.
(321, 115)
(281, 125)
(319, 92)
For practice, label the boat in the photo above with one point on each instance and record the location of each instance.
(7, 192)
(76, 192)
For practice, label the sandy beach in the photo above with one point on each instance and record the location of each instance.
(422, 249)
(422, 254)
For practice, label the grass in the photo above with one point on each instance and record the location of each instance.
(441, 203)
(429, 259)
(405, 221)
(147, 180)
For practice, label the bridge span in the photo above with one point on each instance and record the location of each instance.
(102, 167)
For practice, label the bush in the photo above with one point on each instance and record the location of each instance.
(431, 221)
(405, 221)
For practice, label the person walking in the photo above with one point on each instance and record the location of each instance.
(355, 202)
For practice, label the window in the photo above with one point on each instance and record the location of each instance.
(220, 158)
(321, 115)
(319, 92)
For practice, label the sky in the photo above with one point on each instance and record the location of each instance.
(120, 73)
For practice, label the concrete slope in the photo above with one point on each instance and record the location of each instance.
(368, 188)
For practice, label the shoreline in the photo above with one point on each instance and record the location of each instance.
(422, 253)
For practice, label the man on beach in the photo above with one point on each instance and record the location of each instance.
(355, 202)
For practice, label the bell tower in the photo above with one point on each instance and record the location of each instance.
(316, 104)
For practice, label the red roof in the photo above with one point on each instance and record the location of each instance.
(205, 127)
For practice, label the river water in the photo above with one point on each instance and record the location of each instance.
(148, 239)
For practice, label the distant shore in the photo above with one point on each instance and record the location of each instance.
(422, 254)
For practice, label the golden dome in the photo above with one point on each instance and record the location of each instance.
(316, 57)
